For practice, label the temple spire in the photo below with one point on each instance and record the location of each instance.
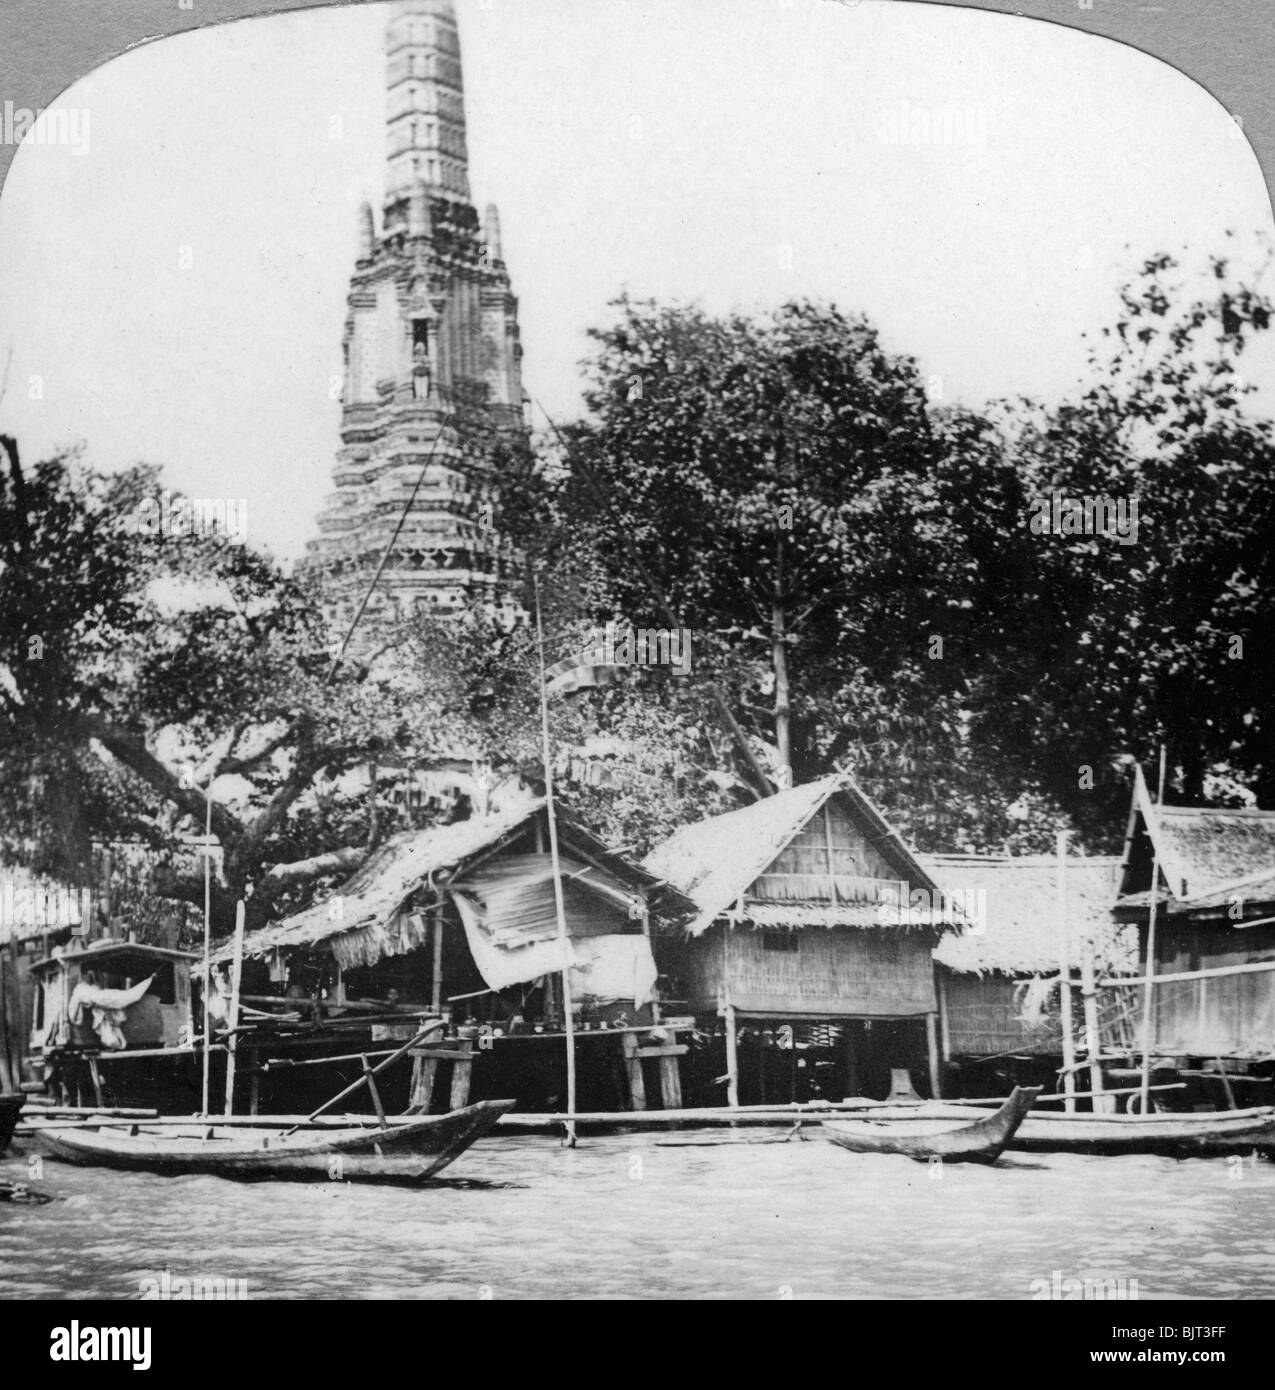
(425, 107)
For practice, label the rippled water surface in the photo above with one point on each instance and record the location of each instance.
(655, 1216)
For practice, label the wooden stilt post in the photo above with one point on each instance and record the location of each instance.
(254, 1086)
(633, 1066)
(932, 1047)
(232, 1038)
(462, 1075)
(1064, 987)
(96, 1077)
(945, 1022)
(436, 997)
(424, 1070)
(732, 1059)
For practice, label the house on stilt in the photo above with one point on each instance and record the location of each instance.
(459, 923)
(998, 980)
(1213, 1006)
(807, 959)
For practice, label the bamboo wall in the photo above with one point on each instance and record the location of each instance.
(982, 1019)
(837, 972)
(1226, 1017)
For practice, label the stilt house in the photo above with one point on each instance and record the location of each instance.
(808, 955)
(997, 979)
(1214, 910)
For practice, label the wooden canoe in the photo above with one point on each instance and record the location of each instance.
(409, 1150)
(10, 1109)
(1185, 1135)
(980, 1142)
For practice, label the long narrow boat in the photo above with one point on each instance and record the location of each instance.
(10, 1109)
(980, 1142)
(1184, 1135)
(408, 1149)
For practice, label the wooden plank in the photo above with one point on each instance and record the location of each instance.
(664, 1050)
(1215, 973)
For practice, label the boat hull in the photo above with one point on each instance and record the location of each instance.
(1170, 1136)
(411, 1150)
(982, 1141)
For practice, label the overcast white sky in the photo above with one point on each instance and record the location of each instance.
(734, 152)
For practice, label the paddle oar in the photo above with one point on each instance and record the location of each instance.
(366, 1079)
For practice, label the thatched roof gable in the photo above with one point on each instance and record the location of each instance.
(1207, 855)
(715, 861)
(1019, 934)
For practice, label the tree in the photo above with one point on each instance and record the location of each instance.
(1162, 639)
(138, 666)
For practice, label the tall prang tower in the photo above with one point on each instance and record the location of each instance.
(432, 375)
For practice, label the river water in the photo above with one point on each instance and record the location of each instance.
(663, 1216)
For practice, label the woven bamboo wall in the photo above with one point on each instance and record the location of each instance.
(838, 972)
(982, 1019)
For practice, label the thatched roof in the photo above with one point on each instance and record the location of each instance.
(364, 920)
(1208, 856)
(715, 861)
(1019, 935)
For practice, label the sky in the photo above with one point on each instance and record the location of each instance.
(980, 185)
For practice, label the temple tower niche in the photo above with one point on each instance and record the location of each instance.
(431, 359)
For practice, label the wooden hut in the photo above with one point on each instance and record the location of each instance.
(459, 922)
(808, 955)
(1001, 1015)
(1214, 955)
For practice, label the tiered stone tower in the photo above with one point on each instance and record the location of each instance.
(431, 360)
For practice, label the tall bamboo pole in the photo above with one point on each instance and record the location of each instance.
(557, 878)
(232, 1036)
(1148, 996)
(207, 937)
(1064, 982)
